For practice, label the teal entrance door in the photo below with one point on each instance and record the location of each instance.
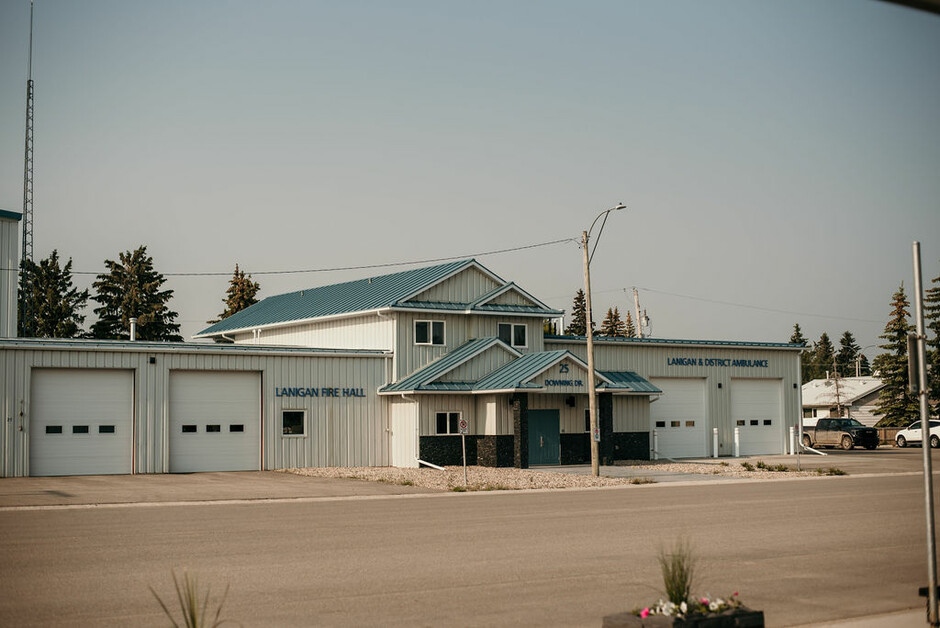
(544, 437)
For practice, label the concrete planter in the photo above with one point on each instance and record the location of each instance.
(738, 618)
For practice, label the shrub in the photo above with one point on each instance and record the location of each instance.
(642, 480)
(747, 466)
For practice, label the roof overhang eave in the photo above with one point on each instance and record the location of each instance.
(299, 321)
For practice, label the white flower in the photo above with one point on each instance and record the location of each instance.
(713, 606)
(684, 608)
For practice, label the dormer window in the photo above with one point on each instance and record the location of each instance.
(429, 332)
(513, 335)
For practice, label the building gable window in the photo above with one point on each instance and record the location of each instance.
(448, 422)
(429, 332)
(513, 335)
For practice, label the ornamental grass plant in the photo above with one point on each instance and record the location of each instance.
(195, 612)
(678, 566)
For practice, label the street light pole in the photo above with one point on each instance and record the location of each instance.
(589, 332)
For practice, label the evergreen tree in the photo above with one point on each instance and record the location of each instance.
(613, 325)
(932, 330)
(629, 329)
(131, 288)
(241, 293)
(806, 356)
(53, 303)
(578, 326)
(896, 404)
(847, 355)
(823, 355)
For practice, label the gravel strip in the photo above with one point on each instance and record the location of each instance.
(508, 478)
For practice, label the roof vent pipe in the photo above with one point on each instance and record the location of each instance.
(133, 329)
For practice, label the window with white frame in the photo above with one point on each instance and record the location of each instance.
(512, 334)
(448, 422)
(292, 422)
(429, 332)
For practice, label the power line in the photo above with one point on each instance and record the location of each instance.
(754, 307)
(342, 268)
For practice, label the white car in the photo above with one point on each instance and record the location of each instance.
(913, 435)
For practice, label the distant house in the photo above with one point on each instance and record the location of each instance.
(857, 397)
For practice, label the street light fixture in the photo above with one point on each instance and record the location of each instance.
(589, 332)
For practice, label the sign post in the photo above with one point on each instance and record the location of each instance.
(463, 428)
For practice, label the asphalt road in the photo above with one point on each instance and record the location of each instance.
(804, 551)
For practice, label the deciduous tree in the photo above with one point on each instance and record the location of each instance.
(132, 288)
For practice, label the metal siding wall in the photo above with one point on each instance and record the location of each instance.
(651, 361)
(9, 276)
(345, 431)
(472, 371)
(364, 332)
(465, 287)
(511, 298)
(488, 327)
(432, 404)
(631, 414)
(341, 431)
(411, 357)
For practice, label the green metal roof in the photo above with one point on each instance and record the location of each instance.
(667, 341)
(362, 295)
(627, 380)
(516, 374)
(4, 213)
(423, 379)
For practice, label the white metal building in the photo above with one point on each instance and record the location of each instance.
(381, 371)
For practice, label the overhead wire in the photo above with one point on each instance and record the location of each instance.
(343, 268)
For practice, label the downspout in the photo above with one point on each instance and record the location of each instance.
(224, 337)
(420, 462)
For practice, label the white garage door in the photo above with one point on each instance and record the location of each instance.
(679, 418)
(755, 411)
(215, 421)
(81, 422)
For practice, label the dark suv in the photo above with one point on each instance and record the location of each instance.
(844, 433)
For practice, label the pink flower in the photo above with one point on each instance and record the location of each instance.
(645, 613)
(704, 600)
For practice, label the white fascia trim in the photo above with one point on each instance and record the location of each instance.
(578, 361)
(464, 311)
(507, 390)
(511, 286)
(667, 343)
(299, 321)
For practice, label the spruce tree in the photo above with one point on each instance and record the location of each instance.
(613, 326)
(932, 329)
(241, 293)
(629, 329)
(896, 404)
(131, 288)
(806, 356)
(578, 326)
(823, 356)
(847, 355)
(53, 302)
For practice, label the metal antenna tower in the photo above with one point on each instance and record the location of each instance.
(27, 253)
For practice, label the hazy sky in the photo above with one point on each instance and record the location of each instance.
(777, 158)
